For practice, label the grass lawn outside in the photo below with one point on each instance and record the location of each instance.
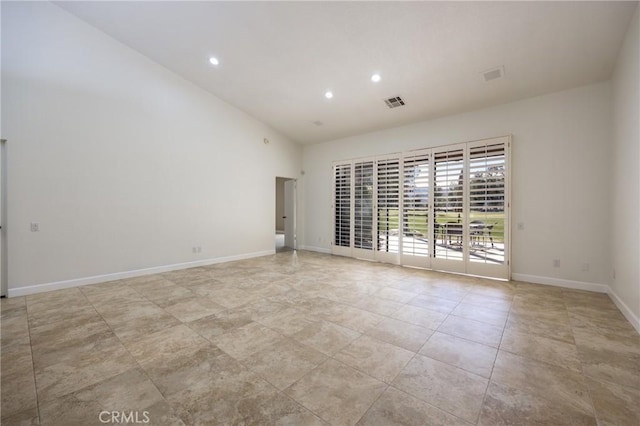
(418, 221)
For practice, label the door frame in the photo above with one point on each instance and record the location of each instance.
(291, 205)
(4, 276)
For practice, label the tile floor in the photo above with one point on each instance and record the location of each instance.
(310, 339)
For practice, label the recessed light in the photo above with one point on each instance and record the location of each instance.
(213, 61)
(375, 78)
(328, 95)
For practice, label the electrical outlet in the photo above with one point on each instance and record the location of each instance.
(35, 227)
(585, 267)
(556, 263)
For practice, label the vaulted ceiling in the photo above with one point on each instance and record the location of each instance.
(277, 59)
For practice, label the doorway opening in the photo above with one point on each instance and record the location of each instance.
(285, 215)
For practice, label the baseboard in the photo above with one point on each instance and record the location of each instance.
(316, 249)
(558, 282)
(77, 282)
(628, 313)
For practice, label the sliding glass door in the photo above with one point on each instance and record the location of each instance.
(363, 200)
(488, 224)
(444, 208)
(417, 221)
(388, 208)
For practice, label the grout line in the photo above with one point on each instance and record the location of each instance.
(33, 363)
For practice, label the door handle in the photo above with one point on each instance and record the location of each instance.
(284, 217)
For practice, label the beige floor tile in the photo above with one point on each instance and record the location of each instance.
(325, 336)
(9, 303)
(258, 309)
(507, 406)
(27, 417)
(62, 314)
(48, 353)
(423, 317)
(53, 336)
(395, 407)
(448, 388)
(554, 330)
(284, 362)
(242, 342)
(394, 294)
(490, 302)
(478, 313)
(288, 321)
(471, 356)
(610, 358)
(220, 323)
(192, 308)
(615, 405)
(162, 291)
(543, 380)
(452, 293)
(476, 331)
(96, 291)
(177, 374)
(104, 359)
(167, 344)
(17, 391)
(427, 301)
(226, 296)
(141, 327)
(56, 299)
(336, 392)
(609, 326)
(115, 313)
(563, 351)
(378, 305)
(350, 317)
(400, 333)
(610, 365)
(542, 349)
(130, 392)
(281, 410)
(378, 359)
(14, 326)
(219, 393)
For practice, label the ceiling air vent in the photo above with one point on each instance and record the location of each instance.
(493, 74)
(394, 102)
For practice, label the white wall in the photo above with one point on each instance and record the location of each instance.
(625, 190)
(122, 163)
(561, 178)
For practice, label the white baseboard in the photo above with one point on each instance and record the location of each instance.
(628, 313)
(77, 282)
(558, 282)
(316, 249)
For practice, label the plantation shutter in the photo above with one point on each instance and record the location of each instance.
(449, 204)
(342, 209)
(488, 218)
(415, 208)
(363, 196)
(388, 209)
